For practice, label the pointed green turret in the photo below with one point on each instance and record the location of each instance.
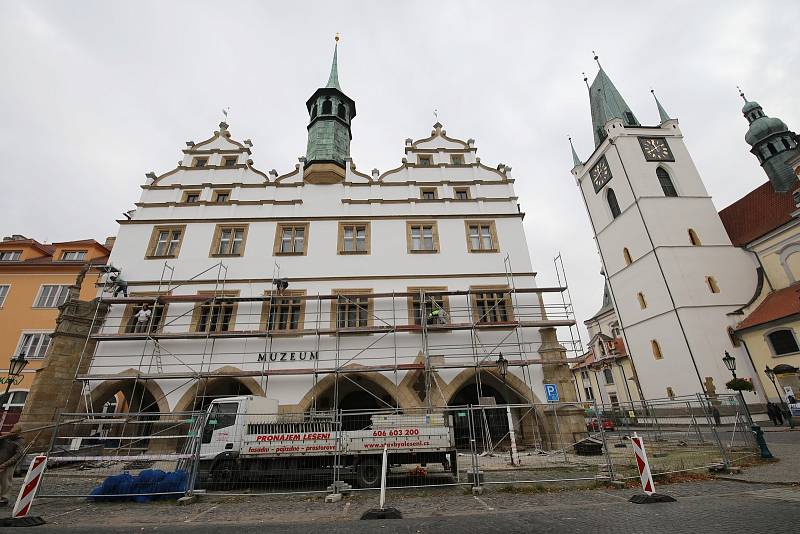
(606, 103)
(330, 112)
(576, 161)
(662, 113)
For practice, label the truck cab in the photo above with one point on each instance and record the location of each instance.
(226, 420)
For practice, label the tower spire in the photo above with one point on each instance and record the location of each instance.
(333, 79)
(606, 103)
(662, 113)
(741, 93)
(575, 159)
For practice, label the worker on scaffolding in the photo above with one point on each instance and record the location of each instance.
(142, 319)
(118, 285)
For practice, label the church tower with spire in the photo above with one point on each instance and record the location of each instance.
(330, 112)
(773, 144)
(674, 277)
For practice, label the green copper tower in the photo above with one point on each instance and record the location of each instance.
(606, 103)
(330, 112)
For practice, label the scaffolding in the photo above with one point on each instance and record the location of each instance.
(471, 329)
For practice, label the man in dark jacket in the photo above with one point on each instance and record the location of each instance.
(12, 447)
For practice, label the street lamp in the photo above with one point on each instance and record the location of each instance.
(15, 367)
(502, 366)
(730, 363)
(784, 408)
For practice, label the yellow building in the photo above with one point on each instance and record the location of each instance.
(34, 281)
(766, 222)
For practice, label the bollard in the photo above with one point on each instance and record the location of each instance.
(648, 486)
(19, 516)
(382, 512)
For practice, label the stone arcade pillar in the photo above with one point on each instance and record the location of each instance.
(556, 371)
(54, 388)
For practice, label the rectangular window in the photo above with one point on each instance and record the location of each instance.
(222, 196)
(481, 236)
(200, 162)
(352, 308)
(51, 296)
(426, 307)
(283, 312)
(589, 393)
(422, 236)
(492, 305)
(73, 255)
(354, 238)
(428, 193)
(461, 193)
(291, 239)
(165, 242)
(191, 197)
(10, 255)
(456, 159)
(229, 241)
(585, 375)
(33, 345)
(214, 315)
(133, 322)
(229, 161)
(425, 161)
(609, 376)
(3, 294)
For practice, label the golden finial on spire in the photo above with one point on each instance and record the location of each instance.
(337, 37)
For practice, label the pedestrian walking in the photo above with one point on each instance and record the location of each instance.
(12, 447)
(778, 414)
(771, 413)
(142, 319)
(716, 416)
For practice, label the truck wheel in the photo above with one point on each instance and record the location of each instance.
(223, 474)
(368, 474)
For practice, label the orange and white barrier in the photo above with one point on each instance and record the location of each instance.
(29, 487)
(644, 466)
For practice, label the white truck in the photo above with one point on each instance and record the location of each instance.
(246, 440)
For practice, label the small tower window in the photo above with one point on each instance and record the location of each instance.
(327, 107)
(341, 111)
(656, 348)
(712, 284)
(772, 149)
(693, 239)
(613, 205)
(786, 144)
(627, 255)
(314, 111)
(425, 161)
(666, 183)
(642, 301)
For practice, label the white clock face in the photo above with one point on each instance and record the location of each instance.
(656, 149)
(600, 174)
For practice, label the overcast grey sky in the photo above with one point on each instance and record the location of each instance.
(96, 94)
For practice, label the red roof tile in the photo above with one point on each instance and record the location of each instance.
(756, 214)
(779, 304)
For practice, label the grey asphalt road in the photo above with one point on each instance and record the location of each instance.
(741, 510)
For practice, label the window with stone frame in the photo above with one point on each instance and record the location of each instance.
(284, 311)
(165, 241)
(51, 296)
(783, 342)
(422, 236)
(191, 197)
(587, 390)
(222, 196)
(229, 161)
(215, 314)
(481, 236)
(354, 238)
(229, 240)
(200, 162)
(461, 193)
(428, 193)
(492, 305)
(425, 160)
(425, 306)
(33, 345)
(291, 239)
(352, 308)
(130, 323)
(456, 159)
(608, 375)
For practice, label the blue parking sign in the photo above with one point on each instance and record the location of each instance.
(552, 392)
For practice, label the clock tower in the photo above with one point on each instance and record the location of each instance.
(676, 281)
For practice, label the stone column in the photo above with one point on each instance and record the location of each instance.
(561, 433)
(54, 389)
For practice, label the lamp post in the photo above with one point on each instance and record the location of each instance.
(784, 408)
(15, 367)
(730, 363)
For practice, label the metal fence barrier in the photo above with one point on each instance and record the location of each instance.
(232, 451)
